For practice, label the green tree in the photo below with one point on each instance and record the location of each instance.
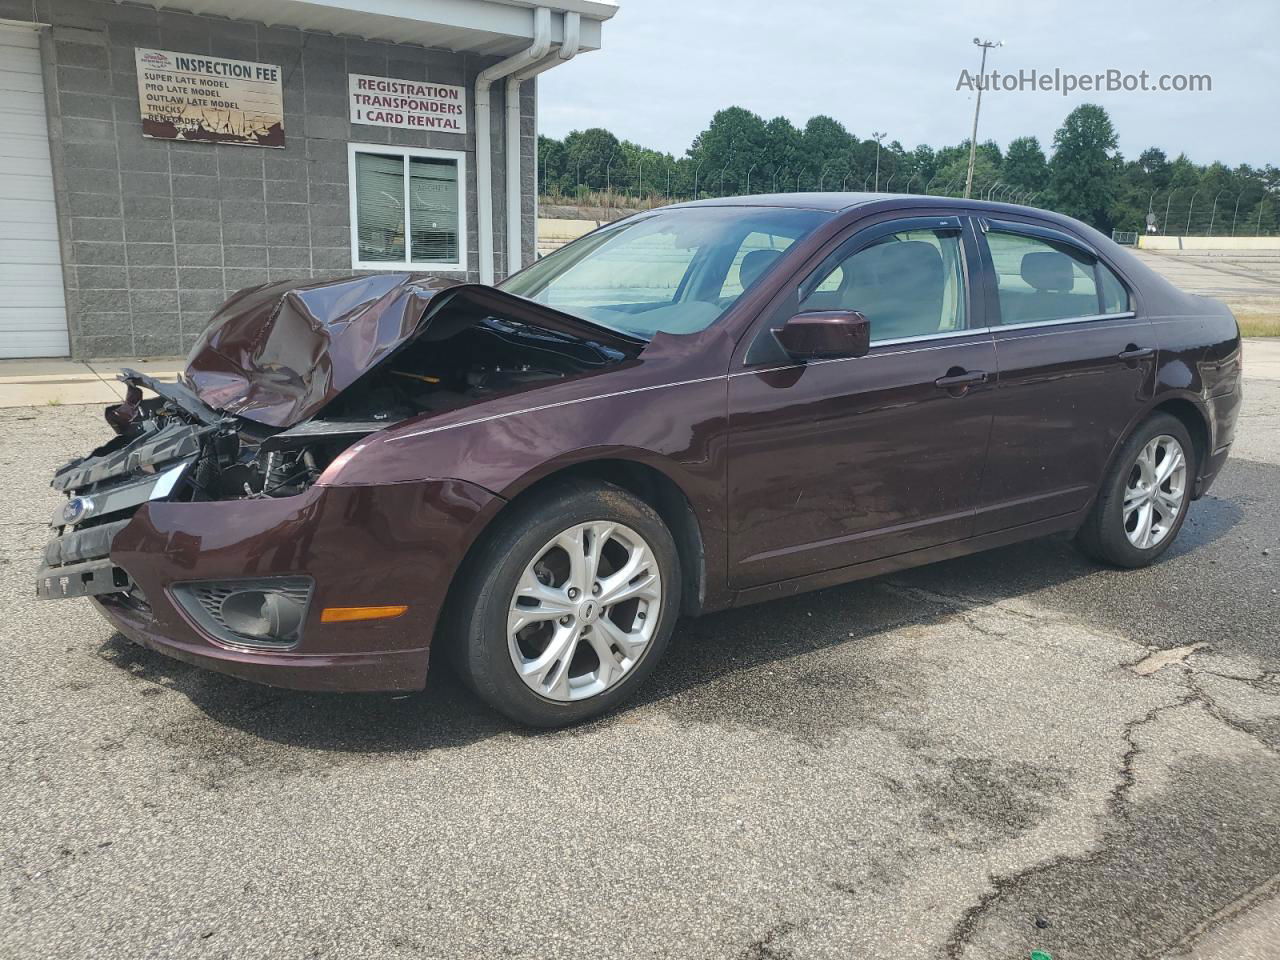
(923, 163)
(1084, 166)
(784, 145)
(1154, 164)
(1086, 177)
(552, 158)
(954, 168)
(1025, 168)
(826, 146)
(587, 156)
(735, 140)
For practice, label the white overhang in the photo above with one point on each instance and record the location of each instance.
(489, 27)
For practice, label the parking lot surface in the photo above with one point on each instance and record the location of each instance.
(1009, 752)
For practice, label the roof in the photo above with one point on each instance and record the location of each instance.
(805, 201)
(836, 202)
(487, 27)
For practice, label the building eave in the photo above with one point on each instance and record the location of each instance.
(486, 27)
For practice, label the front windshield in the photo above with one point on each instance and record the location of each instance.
(670, 271)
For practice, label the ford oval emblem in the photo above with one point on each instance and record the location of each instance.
(76, 509)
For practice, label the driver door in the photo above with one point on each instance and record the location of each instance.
(837, 462)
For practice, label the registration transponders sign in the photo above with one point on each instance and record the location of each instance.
(408, 104)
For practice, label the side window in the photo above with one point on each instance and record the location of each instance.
(1115, 298)
(1039, 281)
(754, 256)
(908, 284)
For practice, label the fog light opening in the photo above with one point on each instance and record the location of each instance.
(264, 614)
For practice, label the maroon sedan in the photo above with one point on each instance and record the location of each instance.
(694, 408)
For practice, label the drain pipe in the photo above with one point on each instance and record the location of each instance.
(515, 221)
(484, 146)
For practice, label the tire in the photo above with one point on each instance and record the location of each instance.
(518, 652)
(1114, 530)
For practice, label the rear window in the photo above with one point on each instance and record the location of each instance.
(1115, 297)
(1039, 281)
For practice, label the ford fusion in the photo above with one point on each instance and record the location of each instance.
(694, 408)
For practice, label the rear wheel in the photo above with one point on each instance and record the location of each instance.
(1145, 496)
(568, 604)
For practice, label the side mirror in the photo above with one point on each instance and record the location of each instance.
(825, 335)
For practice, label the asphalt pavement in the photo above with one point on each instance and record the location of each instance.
(1011, 752)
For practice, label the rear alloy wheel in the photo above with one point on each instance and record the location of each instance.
(567, 604)
(1155, 492)
(1144, 498)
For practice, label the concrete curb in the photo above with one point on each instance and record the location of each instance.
(41, 383)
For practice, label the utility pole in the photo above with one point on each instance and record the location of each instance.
(877, 137)
(973, 139)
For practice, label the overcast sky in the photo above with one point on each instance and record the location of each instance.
(667, 65)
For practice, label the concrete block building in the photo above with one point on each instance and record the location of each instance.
(156, 158)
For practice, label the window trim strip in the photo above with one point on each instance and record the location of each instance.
(948, 334)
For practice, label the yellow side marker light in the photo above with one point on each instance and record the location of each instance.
(348, 614)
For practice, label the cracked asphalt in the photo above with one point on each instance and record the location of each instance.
(1009, 752)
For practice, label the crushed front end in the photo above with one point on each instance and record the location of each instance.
(215, 525)
(170, 448)
(194, 537)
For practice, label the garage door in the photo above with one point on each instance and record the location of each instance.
(33, 312)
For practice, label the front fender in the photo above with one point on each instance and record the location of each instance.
(676, 429)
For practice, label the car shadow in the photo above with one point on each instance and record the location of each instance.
(703, 650)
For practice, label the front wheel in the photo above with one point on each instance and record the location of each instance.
(1144, 497)
(567, 605)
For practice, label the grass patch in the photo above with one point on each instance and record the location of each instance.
(1259, 325)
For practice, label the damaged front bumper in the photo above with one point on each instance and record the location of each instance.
(136, 537)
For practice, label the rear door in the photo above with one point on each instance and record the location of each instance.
(1076, 362)
(833, 463)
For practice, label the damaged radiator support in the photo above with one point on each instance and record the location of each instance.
(171, 447)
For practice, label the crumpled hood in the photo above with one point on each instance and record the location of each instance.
(277, 353)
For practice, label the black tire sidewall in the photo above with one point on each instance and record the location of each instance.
(483, 656)
(1107, 539)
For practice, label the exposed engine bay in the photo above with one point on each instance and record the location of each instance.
(232, 457)
(488, 357)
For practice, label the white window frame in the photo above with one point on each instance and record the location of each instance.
(406, 265)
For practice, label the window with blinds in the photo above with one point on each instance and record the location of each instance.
(407, 208)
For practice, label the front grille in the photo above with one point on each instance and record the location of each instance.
(203, 601)
(107, 490)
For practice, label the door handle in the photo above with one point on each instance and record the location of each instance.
(1133, 352)
(958, 377)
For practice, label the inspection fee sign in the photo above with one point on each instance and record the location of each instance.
(408, 104)
(189, 96)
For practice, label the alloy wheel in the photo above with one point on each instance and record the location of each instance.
(584, 610)
(1155, 492)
